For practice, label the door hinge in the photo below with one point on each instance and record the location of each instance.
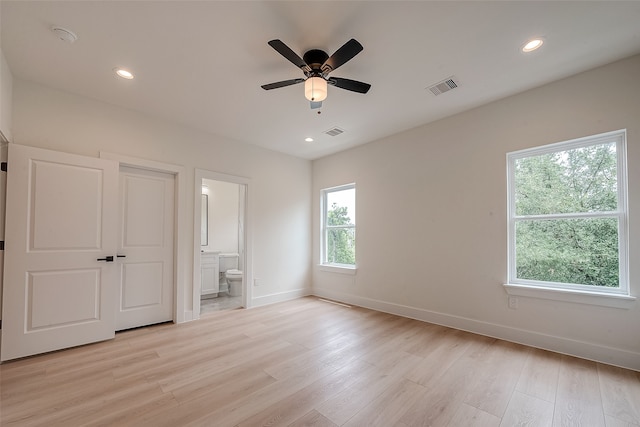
(3, 166)
(1, 245)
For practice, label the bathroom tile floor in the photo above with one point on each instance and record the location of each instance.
(222, 302)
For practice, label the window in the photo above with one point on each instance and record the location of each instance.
(568, 215)
(339, 226)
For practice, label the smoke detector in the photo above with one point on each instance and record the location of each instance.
(63, 34)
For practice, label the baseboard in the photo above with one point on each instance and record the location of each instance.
(188, 317)
(280, 297)
(581, 349)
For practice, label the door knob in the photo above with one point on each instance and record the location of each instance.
(106, 259)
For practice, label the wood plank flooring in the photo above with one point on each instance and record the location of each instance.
(312, 363)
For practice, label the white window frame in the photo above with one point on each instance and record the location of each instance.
(324, 265)
(613, 297)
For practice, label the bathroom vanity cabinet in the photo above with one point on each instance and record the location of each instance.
(210, 274)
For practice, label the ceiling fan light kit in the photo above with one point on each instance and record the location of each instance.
(315, 89)
(316, 67)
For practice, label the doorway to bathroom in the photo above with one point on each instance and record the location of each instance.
(221, 268)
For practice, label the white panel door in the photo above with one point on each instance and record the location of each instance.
(61, 219)
(145, 294)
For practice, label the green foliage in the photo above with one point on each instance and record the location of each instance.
(579, 250)
(341, 242)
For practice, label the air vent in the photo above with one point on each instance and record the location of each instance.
(335, 131)
(443, 86)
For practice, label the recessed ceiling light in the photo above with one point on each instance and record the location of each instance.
(125, 74)
(308, 139)
(532, 45)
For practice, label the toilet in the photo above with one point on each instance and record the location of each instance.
(233, 276)
(234, 279)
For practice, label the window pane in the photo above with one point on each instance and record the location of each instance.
(341, 246)
(341, 207)
(577, 180)
(577, 251)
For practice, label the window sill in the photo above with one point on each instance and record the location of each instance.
(567, 295)
(341, 269)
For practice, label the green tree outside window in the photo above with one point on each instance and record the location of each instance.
(341, 241)
(582, 249)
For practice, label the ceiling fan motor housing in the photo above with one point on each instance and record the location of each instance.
(315, 58)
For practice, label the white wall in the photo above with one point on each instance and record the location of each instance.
(281, 207)
(431, 216)
(223, 216)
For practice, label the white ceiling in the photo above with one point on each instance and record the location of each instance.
(202, 63)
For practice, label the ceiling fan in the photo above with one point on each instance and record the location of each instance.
(316, 66)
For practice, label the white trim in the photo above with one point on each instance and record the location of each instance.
(3, 204)
(200, 174)
(570, 144)
(333, 268)
(281, 296)
(180, 311)
(578, 215)
(623, 206)
(571, 295)
(585, 350)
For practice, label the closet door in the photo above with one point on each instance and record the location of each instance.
(59, 282)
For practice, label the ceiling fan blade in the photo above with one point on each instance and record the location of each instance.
(352, 85)
(342, 55)
(283, 83)
(316, 104)
(286, 51)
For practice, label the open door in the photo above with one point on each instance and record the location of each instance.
(60, 244)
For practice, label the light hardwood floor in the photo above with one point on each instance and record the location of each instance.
(311, 363)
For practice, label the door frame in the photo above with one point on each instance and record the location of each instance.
(4, 147)
(201, 174)
(181, 313)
